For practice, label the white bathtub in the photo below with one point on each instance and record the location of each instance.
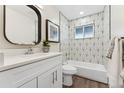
(91, 71)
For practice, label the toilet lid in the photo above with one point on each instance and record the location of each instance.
(68, 67)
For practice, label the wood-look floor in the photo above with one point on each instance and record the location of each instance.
(80, 82)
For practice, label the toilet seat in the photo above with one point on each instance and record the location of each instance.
(68, 69)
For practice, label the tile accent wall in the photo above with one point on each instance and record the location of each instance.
(89, 49)
(64, 37)
(107, 34)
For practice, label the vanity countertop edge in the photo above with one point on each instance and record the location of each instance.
(27, 61)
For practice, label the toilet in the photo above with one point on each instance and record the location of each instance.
(68, 72)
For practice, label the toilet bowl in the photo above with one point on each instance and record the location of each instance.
(68, 72)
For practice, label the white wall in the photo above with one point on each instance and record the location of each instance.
(117, 20)
(49, 12)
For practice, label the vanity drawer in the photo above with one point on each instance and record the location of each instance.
(18, 76)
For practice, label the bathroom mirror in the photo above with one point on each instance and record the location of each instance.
(22, 24)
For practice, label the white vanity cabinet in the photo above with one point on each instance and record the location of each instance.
(46, 73)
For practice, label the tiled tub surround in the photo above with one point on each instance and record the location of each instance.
(64, 47)
(107, 33)
(88, 49)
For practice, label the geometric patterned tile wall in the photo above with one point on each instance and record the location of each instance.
(90, 49)
(106, 32)
(64, 43)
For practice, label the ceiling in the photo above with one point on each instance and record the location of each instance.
(73, 11)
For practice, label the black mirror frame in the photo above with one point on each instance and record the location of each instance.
(39, 25)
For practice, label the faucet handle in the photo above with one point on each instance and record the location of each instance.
(30, 48)
(29, 51)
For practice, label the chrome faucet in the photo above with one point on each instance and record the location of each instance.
(29, 51)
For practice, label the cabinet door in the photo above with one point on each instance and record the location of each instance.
(58, 77)
(51, 79)
(30, 84)
(46, 80)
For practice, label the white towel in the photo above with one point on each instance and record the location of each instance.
(122, 74)
(114, 67)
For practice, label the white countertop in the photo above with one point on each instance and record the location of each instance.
(20, 60)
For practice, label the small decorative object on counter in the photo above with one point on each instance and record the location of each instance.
(46, 46)
(1, 58)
